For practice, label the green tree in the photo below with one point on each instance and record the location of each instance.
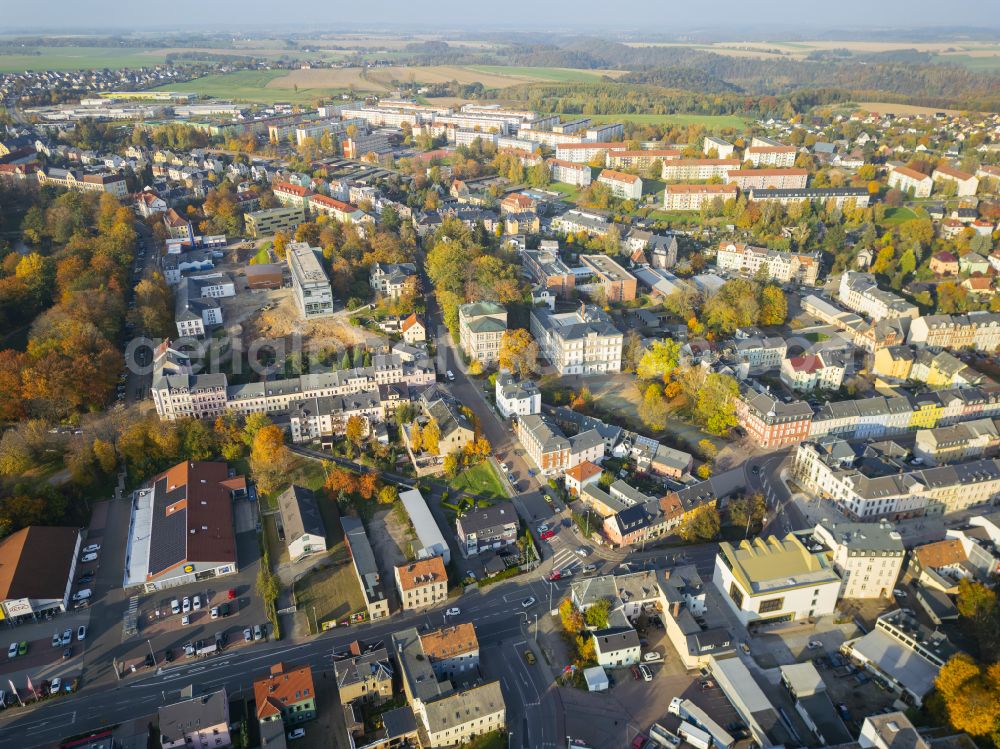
(748, 512)
(430, 437)
(703, 526)
(773, 306)
(596, 615)
(715, 407)
(659, 360)
(653, 409)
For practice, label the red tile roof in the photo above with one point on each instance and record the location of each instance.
(281, 689)
(422, 572)
(618, 176)
(703, 188)
(290, 188)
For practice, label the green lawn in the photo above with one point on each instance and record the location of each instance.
(81, 58)
(572, 192)
(977, 64)
(248, 85)
(713, 122)
(263, 257)
(899, 215)
(491, 740)
(556, 75)
(480, 479)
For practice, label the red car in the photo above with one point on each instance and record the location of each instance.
(232, 593)
(556, 575)
(547, 534)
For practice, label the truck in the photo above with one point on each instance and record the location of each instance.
(663, 737)
(694, 735)
(688, 711)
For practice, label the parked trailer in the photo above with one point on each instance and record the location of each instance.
(663, 737)
(687, 710)
(694, 735)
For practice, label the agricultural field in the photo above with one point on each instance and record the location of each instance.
(884, 107)
(553, 75)
(81, 58)
(247, 85)
(713, 122)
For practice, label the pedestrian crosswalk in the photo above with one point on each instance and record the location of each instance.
(565, 559)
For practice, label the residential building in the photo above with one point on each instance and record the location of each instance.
(905, 180)
(393, 279)
(824, 371)
(413, 329)
(487, 528)
(515, 396)
(968, 440)
(429, 541)
(813, 704)
(783, 267)
(585, 152)
(944, 263)
(570, 173)
(618, 284)
(547, 268)
(779, 156)
(889, 731)
(941, 565)
(641, 159)
(37, 571)
(194, 315)
(868, 557)
(760, 354)
(766, 581)
(178, 227)
(604, 132)
(903, 653)
(581, 476)
(181, 527)
(979, 330)
(461, 716)
(195, 722)
(697, 170)
(455, 428)
(860, 292)
(453, 651)
(70, 179)
(268, 221)
(364, 675)
(966, 184)
(839, 196)
(422, 583)
(301, 522)
(285, 694)
(894, 363)
(481, 326)
(365, 568)
(693, 197)
(772, 423)
(574, 221)
(292, 195)
(723, 148)
(581, 342)
(669, 462)
(338, 210)
(551, 450)
(624, 186)
(784, 179)
(617, 648)
(310, 285)
(658, 250)
(875, 485)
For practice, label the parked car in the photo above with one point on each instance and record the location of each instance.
(189, 650)
(652, 657)
(91, 557)
(543, 527)
(22, 647)
(899, 593)
(215, 612)
(67, 653)
(453, 611)
(815, 644)
(56, 640)
(82, 595)
(546, 535)
(504, 467)
(12, 650)
(555, 575)
(247, 635)
(55, 686)
(91, 549)
(185, 620)
(223, 609)
(647, 674)
(175, 606)
(588, 568)
(258, 634)
(296, 733)
(635, 673)
(196, 603)
(186, 605)
(86, 579)
(232, 594)
(583, 551)
(67, 637)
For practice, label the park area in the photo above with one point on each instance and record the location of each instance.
(481, 480)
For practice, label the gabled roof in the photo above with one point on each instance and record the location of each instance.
(35, 562)
(281, 689)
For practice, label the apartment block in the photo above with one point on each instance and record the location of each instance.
(723, 148)
(481, 326)
(584, 341)
(778, 156)
(747, 179)
(619, 285)
(904, 179)
(966, 184)
(422, 583)
(641, 159)
(310, 285)
(839, 196)
(772, 423)
(687, 170)
(693, 197)
(783, 267)
(860, 292)
(268, 221)
(569, 173)
(622, 185)
(868, 557)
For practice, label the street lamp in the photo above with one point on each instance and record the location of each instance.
(151, 651)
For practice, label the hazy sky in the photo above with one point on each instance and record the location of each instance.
(655, 16)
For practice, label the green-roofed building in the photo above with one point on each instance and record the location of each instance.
(481, 325)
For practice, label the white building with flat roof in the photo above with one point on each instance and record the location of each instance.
(430, 541)
(311, 287)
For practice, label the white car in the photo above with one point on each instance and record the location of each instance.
(56, 640)
(899, 593)
(82, 595)
(12, 650)
(81, 633)
(647, 675)
(504, 467)
(196, 603)
(186, 605)
(453, 611)
(91, 557)
(92, 549)
(528, 602)
(298, 733)
(215, 612)
(55, 686)
(815, 644)
(185, 620)
(175, 606)
(67, 637)
(652, 657)
(542, 528)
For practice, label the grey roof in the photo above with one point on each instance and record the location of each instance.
(590, 590)
(583, 322)
(485, 519)
(547, 434)
(364, 558)
(896, 731)
(585, 441)
(893, 658)
(201, 712)
(464, 707)
(597, 494)
(299, 513)
(613, 640)
(399, 722)
(823, 714)
(359, 668)
(417, 669)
